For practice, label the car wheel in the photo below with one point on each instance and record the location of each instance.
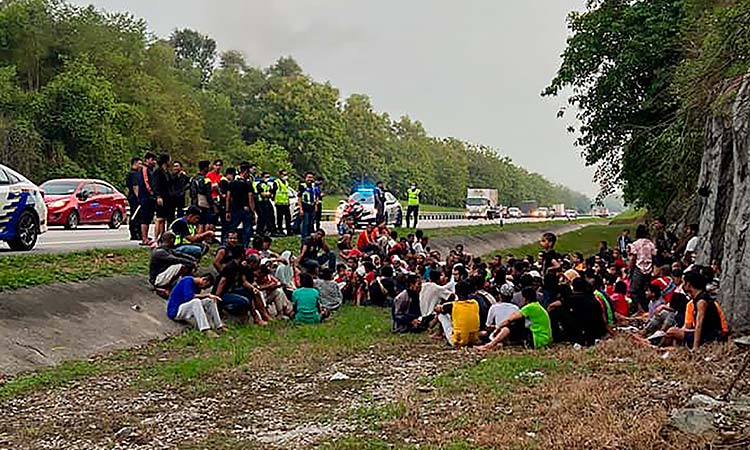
(27, 232)
(73, 220)
(116, 220)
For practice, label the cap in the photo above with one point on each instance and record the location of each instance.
(507, 290)
(535, 274)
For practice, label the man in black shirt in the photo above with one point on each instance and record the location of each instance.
(240, 203)
(163, 192)
(180, 181)
(311, 251)
(146, 196)
(379, 199)
(131, 181)
(550, 258)
(265, 190)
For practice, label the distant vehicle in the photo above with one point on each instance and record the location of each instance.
(599, 211)
(542, 212)
(72, 202)
(515, 213)
(571, 213)
(558, 210)
(529, 207)
(23, 215)
(394, 212)
(482, 204)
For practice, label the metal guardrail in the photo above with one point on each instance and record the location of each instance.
(329, 215)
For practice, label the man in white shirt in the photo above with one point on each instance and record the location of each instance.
(692, 243)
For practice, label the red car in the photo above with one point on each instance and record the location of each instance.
(71, 202)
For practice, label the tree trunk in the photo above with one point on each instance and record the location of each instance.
(725, 206)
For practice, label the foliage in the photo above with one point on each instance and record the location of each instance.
(82, 91)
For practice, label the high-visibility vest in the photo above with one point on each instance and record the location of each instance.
(263, 187)
(282, 192)
(179, 239)
(308, 196)
(414, 197)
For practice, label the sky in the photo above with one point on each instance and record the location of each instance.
(471, 69)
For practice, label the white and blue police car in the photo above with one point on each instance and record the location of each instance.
(23, 215)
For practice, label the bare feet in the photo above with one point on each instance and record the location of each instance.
(211, 334)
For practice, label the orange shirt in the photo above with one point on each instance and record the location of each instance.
(690, 323)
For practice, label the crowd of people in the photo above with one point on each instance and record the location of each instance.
(649, 284)
(242, 197)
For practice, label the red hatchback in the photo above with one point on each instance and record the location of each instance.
(71, 202)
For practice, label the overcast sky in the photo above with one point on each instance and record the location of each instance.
(470, 69)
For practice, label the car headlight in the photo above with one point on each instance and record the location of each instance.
(58, 204)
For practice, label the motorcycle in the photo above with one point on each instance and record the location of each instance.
(352, 210)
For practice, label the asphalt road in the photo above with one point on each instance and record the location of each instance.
(59, 240)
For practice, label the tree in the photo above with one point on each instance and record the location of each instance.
(195, 50)
(620, 62)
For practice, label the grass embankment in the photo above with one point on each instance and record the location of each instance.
(586, 240)
(35, 270)
(631, 216)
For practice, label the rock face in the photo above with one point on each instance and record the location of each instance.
(725, 205)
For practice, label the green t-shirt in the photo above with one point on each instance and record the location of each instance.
(541, 329)
(305, 301)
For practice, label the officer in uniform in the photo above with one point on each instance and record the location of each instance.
(265, 192)
(307, 204)
(281, 198)
(413, 196)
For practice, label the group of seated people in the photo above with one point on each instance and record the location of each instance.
(531, 301)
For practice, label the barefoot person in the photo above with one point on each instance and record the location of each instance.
(539, 333)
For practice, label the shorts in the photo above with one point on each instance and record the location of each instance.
(146, 211)
(165, 211)
(519, 334)
(207, 217)
(706, 338)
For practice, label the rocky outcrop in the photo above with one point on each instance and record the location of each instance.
(724, 187)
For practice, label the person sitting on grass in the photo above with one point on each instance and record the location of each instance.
(167, 266)
(188, 240)
(513, 328)
(704, 325)
(229, 251)
(306, 302)
(276, 301)
(232, 302)
(406, 311)
(186, 302)
(315, 250)
(331, 297)
(462, 327)
(500, 312)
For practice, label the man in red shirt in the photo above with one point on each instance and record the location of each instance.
(215, 177)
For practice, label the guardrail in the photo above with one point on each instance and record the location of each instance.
(329, 215)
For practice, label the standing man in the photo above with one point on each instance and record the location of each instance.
(379, 197)
(215, 177)
(201, 194)
(318, 201)
(307, 204)
(413, 195)
(163, 191)
(131, 181)
(241, 204)
(179, 186)
(623, 240)
(281, 198)
(265, 190)
(146, 196)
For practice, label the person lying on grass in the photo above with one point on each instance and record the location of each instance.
(513, 329)
(306, 302)
(186, 302)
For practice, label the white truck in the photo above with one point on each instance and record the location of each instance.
(558, 210)
(482, 204)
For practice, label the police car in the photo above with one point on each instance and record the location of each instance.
(23, 215)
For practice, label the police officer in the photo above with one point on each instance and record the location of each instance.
(319, 202)
(413, 197)
(265, 191)
(307, 204)
(281, 198)
(379, 197)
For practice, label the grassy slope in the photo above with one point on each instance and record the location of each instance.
(585, 240)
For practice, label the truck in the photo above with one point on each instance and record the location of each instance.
(482, 204)
(529, 207)
(558, 210)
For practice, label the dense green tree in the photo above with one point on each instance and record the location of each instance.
(195, 50)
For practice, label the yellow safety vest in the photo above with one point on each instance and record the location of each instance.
(282, 192)
(179, 239)
(413, 197)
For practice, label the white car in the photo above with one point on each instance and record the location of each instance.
(23, 214)
(366, 197)
(542, 212)
(515, 213)
(571, 213)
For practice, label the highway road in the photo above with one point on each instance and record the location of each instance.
(59, 240)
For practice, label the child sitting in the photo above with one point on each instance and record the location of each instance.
(306, 302)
